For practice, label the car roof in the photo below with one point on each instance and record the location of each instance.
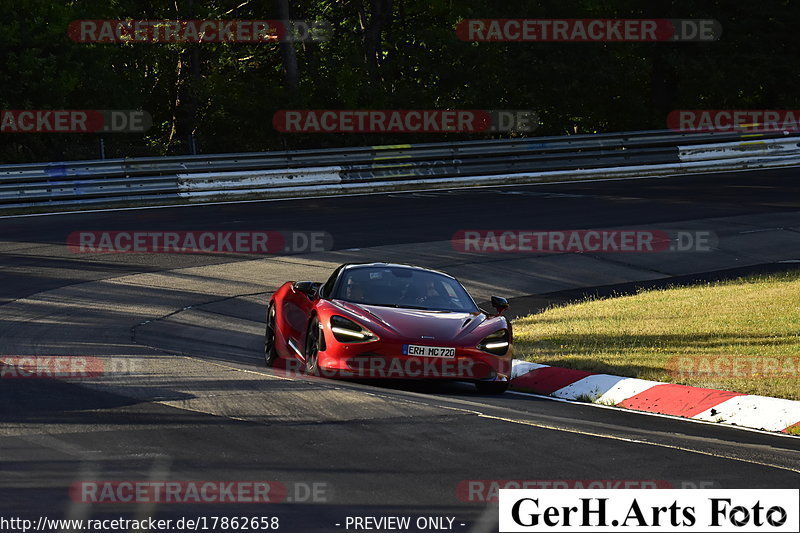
(379, 264)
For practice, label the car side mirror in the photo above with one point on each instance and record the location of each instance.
(501, 304)
(309, 288)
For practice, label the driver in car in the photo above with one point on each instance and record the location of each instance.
(354, 291)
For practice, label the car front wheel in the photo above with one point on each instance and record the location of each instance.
(270, 353)
(312, 347)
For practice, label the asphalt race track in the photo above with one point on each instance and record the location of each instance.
(196, 402)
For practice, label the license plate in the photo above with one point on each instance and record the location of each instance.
(428, 351)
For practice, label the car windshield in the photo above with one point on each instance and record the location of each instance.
(403, 287)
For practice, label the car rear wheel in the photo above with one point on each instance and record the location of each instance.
(312, 347)
(491, 387)
(270, 353)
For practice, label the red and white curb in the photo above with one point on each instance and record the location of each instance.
(710, 405)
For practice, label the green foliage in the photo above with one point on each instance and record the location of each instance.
(226, 94)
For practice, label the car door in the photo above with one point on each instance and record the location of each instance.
(297, 309)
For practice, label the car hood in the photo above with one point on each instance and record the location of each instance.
(416, 324)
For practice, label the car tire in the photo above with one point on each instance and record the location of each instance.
(491, 387)
(270, 352)
(312, 347)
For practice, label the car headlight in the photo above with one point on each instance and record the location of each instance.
(347, 331)
(497, 343)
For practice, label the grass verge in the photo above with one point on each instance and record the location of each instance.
(741, 335)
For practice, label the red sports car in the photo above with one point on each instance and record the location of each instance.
(383, 320)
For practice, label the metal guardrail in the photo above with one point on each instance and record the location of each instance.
(167, 180)
(298, 159)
